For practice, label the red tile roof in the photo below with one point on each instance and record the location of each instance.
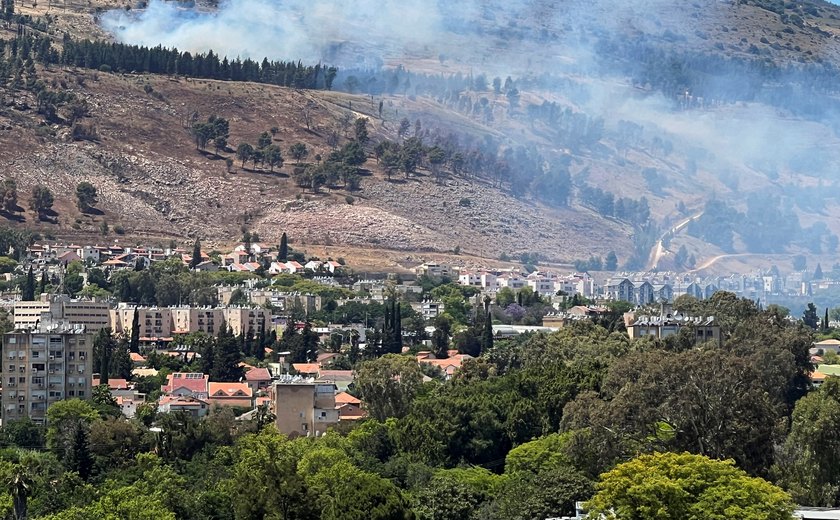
(113, 384)
(193, 381)
(258, 374)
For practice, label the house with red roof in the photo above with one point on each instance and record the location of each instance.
(231, 394)
(194, 384)
(258, 379)
(349, 408)
(448, 365)
(183, 403)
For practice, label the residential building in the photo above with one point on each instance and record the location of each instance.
(183, 403)
(704, 329)
(349, 407)
(541, 284)
(155, 322)
(93, 316)
(245, 320)
(645, 293)
(197, 319)
(258, 379)
(303, 407)
(237, 395)
(620, 289)
(44, 366)
(434, 270)
(194, 384)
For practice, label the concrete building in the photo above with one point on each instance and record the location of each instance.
(93, 316)
(155, 322)
(44, 366)
(303, 407)
(197, 319)
(244, 320)
(164, 322)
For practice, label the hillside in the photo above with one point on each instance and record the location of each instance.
(631, 134)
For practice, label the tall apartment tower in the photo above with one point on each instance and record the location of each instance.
(43, 366)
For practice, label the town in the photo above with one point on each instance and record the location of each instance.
(82, 290)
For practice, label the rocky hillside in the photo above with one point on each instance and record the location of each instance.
(697, 104)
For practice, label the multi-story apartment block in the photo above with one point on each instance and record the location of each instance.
(44, 366)
(91, 315)
(164, 322)
(198, 319)
(155, 322)
(244, 320)
(303, 407)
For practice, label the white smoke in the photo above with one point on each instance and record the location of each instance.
(289, 29)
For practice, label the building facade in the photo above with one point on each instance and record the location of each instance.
(303, 407)
(43, 367)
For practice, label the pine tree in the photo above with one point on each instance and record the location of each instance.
(440, 338)
(196, 255)
(283, 250)
(77, 456)
(226, 357)
(27, 292)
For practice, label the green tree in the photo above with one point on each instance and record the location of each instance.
(227, 357)
(274, 157)
(810, 317)
(361, 131)
(264, 480)
(676, 486)
(388, 385)
(85, 196)
(42, 200)
(196, 254)
(244, 152)
(298, 152)
(283, 250)
(134, 341)
(103, 349)
(69, 422)
(440, 337)
(808, 464)
(549, 494)
(9, 196)
(611, 262)
(27, 289)
(457, 494)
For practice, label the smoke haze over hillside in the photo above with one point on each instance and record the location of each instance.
(291, 30)
(755, 134)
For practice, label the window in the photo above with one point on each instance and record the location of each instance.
(11, 368)
(304, 427)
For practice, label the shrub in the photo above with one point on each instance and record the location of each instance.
(350, 200)
(465, 203)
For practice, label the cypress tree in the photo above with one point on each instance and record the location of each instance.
(398, 329)
(825, 320)
(27, 292)
(283, 250)
(259, 350)
(42, 285)
(103, 345)
(196, 255)
(487, 336)
(134, 341)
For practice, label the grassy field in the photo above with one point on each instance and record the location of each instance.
(830, 370)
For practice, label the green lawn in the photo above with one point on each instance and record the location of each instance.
(829, 370)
